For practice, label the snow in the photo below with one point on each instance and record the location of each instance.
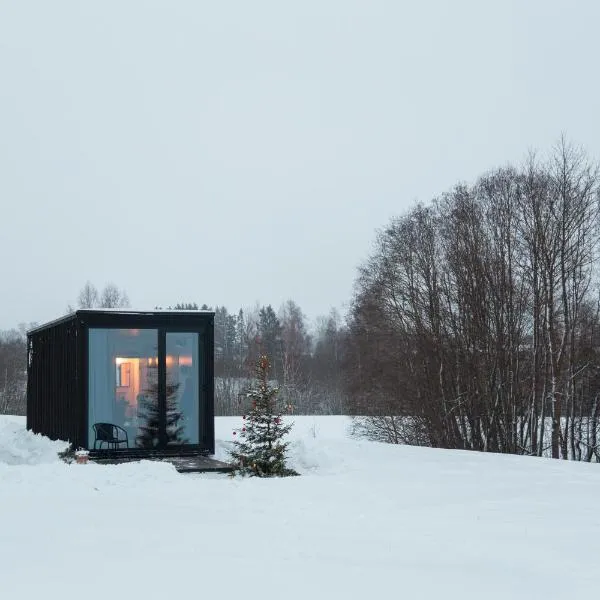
(21, 447)
(364, 520)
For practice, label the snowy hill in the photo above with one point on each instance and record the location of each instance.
(365, 520)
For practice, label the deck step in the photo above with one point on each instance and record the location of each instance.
(183, 464)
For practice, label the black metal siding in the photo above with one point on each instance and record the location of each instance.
(53, 405)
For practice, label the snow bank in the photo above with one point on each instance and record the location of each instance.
(21, 447)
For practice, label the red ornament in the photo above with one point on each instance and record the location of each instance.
(243, 429)
(244, 417)
(235, 433)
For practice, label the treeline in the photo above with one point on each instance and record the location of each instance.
(306, 363)
(476, 322)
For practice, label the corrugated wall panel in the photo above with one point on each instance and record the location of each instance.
(53, 405)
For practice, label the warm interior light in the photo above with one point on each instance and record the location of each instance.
(130, 382)
(182, 361)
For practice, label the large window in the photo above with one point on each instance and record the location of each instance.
(123, 387)
(129, 405)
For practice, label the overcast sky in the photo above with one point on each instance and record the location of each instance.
(233, 152)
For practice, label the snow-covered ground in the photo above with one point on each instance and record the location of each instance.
(365, 520)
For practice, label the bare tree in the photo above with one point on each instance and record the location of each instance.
(472, 319)
(13, 372)
(112, 297)
(295, 351)
(88, 296)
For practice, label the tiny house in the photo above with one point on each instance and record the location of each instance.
(120, 382)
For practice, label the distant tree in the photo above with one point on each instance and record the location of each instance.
(295, 340)
(112, 297)
(13, 372)
(88, 296)
(269, 330)
(327, 365)
(185, 306)
(225, 339)
(241, 340)
(295, 354)
(251, 340)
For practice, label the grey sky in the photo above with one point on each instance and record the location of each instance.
(232, 152)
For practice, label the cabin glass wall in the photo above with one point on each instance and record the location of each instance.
(182, 388)
(123, 388)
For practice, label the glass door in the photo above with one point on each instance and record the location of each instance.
(123, 406)
(182, 388)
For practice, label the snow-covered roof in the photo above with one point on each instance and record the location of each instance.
(124, 311)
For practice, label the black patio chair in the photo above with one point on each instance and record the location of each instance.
(110, 434)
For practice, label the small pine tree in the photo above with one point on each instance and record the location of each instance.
(260, 450)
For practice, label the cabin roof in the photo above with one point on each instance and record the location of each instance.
(156, 312)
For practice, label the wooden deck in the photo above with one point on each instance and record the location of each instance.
(184, 464)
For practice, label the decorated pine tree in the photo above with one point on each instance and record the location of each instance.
(259, 449)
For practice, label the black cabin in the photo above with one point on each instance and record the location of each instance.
(124, 382)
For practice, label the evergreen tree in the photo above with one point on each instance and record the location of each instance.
(185, 306)
(241, 341)
(149, 432)
(269, 329)
(260, 450)
(230, 340)
(225, 333)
